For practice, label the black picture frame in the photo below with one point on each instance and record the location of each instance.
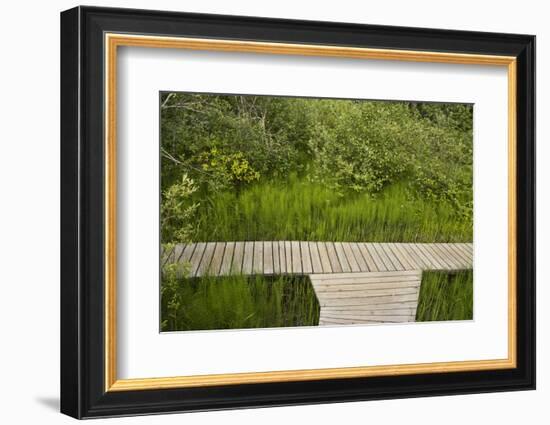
(83, 392)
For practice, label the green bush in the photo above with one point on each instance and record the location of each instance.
(276, 167)
(177, 211)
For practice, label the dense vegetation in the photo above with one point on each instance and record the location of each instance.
(446, 296)
(265, 168)
(238, 302)
(280, 168)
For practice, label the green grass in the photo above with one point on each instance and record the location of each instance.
(239, 302)
(301, 210)
(446, 296)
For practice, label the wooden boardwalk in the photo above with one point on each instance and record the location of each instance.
(372, 297)
(294, 257)
(355, 282)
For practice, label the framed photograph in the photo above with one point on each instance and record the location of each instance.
(261, 212)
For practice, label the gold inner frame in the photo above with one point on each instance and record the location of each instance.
(113, 41)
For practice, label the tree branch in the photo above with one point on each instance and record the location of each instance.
(170, 96)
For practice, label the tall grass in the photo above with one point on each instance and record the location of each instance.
(297, 209)
(446, 296)
(240, 302)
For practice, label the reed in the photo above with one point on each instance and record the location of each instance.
(239, 302)
(298, 209)
(446, 296)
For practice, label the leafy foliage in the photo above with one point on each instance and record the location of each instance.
(229, 143)
(232, 168)
(177, 211)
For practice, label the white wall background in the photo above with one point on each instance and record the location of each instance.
(29, 213)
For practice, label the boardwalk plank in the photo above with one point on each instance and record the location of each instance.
(372, 312)
(359, 318)
(379, 264)
(318, 258)
(306, 258)
(315, 258)
(359, 295)
(434, 257)
(248, 257)
(427, 258)
(196, 258)
(296, 257)
(438, 255)
(276, 258)
(465, 248)
(361, 263)
(268, 258)
(460, 254)
(384, 257)
(401, 256)
(175, 253)
(363, 248)
(452, 258)
(443, 256)
(282, 257)
(288, 255)
(416, 255)
(336, 322)
(384, 307)
(217, 258)
(456, 253)
(396, 273)
(225, 267)
(397, 264)
(238, 256)
(323, 254)
(206, 259)
(333, 257)
(369, 300)
(350, 256)
(468, 248)
(339, 248)
(408, 257)
(325, 322)
(351, 279)
(187, 253)
(362, 286)
(258, 262)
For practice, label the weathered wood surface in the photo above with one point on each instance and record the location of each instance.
(299, 257)
(367, 297)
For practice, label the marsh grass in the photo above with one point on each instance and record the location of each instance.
(297, 209)
(240, 302)
(446, 296)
